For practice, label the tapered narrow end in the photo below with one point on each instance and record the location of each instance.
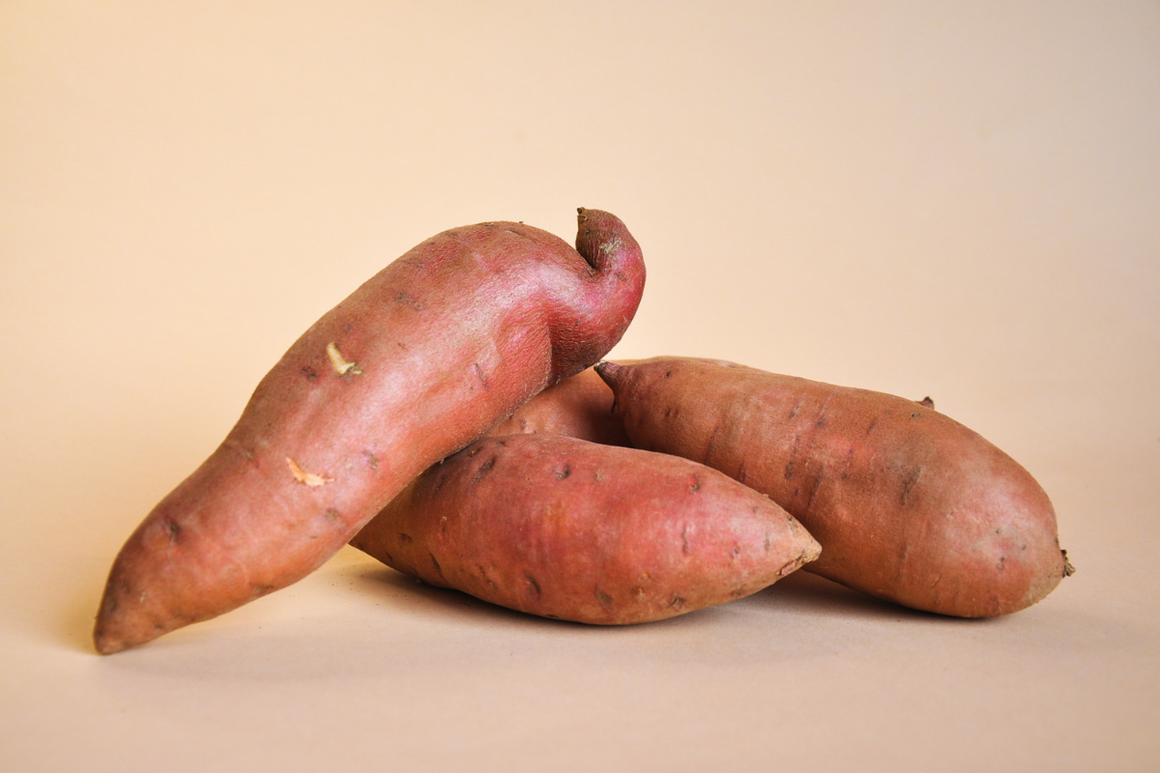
(608, 371)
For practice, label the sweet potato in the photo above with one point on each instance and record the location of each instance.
(579, 406)
(907, 504)
(418, 362)
(565, 528)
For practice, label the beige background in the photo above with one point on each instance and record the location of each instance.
(953, 199)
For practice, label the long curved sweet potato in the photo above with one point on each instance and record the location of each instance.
(418, 362)
(579, 406)
(907, 504)
(565, 528)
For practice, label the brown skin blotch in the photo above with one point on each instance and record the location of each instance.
(815, 489)
(482, 378)
(310, 373)
(483, 470)
(409, 300)
(565, 472)
(533, 589)
(406, 539)
(484, 575)
(604, 599)
(435, 563)
(909, 484)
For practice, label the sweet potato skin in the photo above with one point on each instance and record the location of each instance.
(579, 406)
(419, 361)
(568, 529)
(908, 504)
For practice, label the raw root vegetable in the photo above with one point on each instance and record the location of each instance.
(907, 504)
(568, 529)
(579, 407)
(421, 360)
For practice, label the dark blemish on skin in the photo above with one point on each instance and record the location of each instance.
(794, 411)
(695, 486)
(564, 473)
(482, 378)
(712, 446)
(246, 454)
(261, 590)
(677, 602)
(405, 297)
(310, 373)
(742, 475)
(814, 492)
(174, 530)
(915, 415)
(604, 600)
(768, 541)
(332, 515)
(620, 276)
(435, 563)
(737, 592)
(390, 558)
(909, 484)
(668, 373)
(483, 470)
(926, 402)
(736, 552)
(873, 424)
(849, 463)
(1002, 561)
(406, 539)
(789, 469)
(533, 590)
(372, 460)
(484, 575)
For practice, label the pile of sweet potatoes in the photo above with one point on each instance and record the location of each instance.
(447, 419)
